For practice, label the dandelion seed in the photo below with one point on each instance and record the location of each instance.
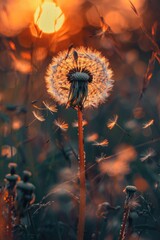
(149, 73)
(133, 8)
(105, 29)
(61, 124)
(92, 137)
(50, 107)
(68, 51)
(75, 123)
(148, 124)
(112, 122)
(39, 108)
(38, 116)
(101, 158)
(103, 143)
(81, 79)
(12, 45)
(148, 154)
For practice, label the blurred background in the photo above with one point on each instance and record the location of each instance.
(127, 34)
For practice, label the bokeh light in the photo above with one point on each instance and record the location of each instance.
(48, 17)
(12, 23)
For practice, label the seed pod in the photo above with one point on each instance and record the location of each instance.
(25, 193)
(11, 177)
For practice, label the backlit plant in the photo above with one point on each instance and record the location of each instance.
(79, 79)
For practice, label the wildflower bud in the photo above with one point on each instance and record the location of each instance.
(11, 177)
(25, 193)
(130, 190)
(26, 175)
(13, 167)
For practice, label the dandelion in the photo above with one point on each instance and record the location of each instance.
(148, 154)
(112, 122)
(81, 80)
(61, 124)
(148, 124)
(102, 143)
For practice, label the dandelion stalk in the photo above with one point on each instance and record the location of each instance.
(82, 206)
(79, 79)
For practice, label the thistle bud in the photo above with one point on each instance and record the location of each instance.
(130, 190)
(25, 193)
(11, 178)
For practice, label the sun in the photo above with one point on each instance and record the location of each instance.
(48, 17)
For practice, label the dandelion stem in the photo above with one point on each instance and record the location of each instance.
(82, 206)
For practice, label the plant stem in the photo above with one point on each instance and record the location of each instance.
(82, 204)
(31, 222)
(123, 230)
(9, 230)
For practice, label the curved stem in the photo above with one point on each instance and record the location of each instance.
(82, 204)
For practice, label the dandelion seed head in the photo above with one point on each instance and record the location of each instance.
(84, 80)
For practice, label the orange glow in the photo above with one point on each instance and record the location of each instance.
(139, 5)
(48, 17)
(117, 21)
(141, 183)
